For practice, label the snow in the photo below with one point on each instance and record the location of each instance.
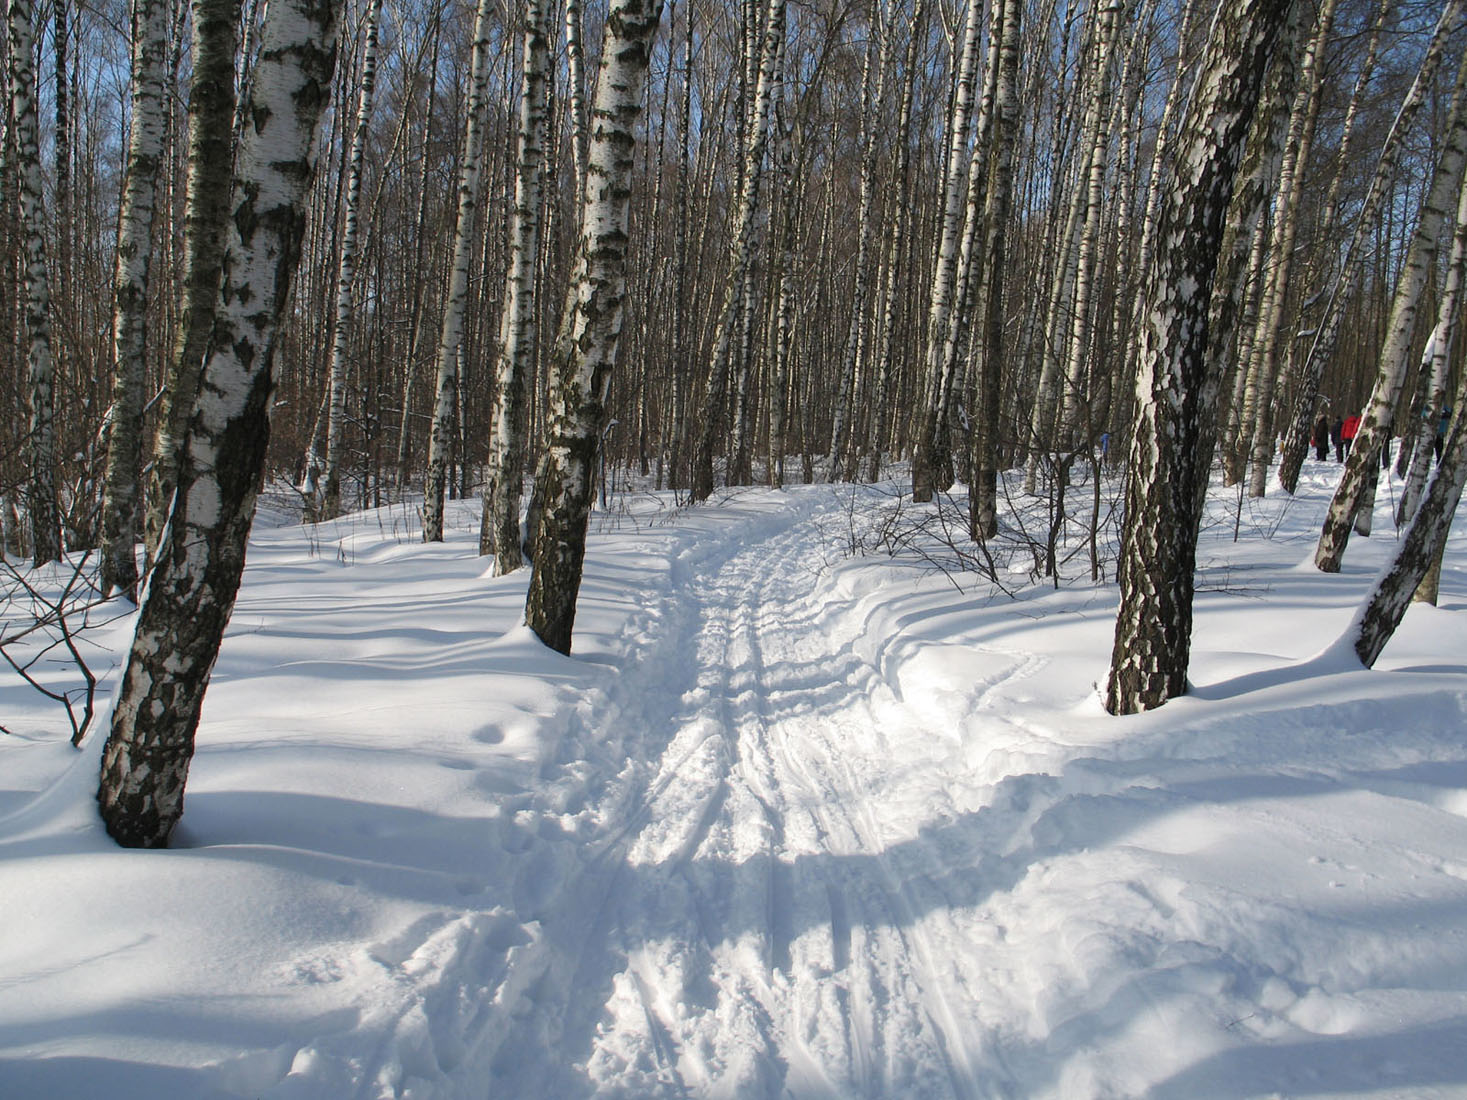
(789, 822)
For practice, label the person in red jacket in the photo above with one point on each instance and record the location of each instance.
(1348, 430)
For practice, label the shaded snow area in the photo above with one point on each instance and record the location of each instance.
(790, 822)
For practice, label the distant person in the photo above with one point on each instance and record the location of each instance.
(1441, 431)
(1348, 431)
(1337, 437)
(1321, 438)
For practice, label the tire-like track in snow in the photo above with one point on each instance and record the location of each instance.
(752, 928)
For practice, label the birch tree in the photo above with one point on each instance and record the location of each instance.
(41, 494)
(896, 246)
(1089, 197)
(1434, 367)
(1363, 462)
(1277, 274)
(1174, 394)
(932, 425)
(677, 389)
(878, 58)
(740, 254)
(1349, 270)
(146, 758)
(450, 341)
(989, 358)
(1420, 549)
(120, 502)
(211, 111)
(330, 504)
(500, 530)
(589, 334)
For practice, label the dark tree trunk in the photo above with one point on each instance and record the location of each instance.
(1175, 393)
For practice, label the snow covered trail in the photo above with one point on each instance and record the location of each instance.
(768, 918)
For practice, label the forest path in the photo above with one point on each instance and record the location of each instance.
(768, 916)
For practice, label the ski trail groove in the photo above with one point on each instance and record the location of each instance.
(758, 921)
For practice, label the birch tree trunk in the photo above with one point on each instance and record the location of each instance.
(146, 759)
(925, 475)
(1245, 240)
(1278, 273)
(1326, 338)
(896, 246)
(118, 558)
(1434, 369)
(500, 530)
(740, 254)
(678, 398)
(988, 368)
(211, 111)
(346, 272)
(1174, 394)
(416, 327)
(1090, 195)
(786, 200)
(1419, 551)
(878, 59)
(41, 499)
(1362, 465)
(589, 335)
(441, 435)
(575, 77)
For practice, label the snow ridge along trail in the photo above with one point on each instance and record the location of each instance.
(765, 920)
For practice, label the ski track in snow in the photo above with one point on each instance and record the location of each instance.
(752, 873)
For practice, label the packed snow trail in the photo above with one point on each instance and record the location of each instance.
(769, 917)
(760, 898)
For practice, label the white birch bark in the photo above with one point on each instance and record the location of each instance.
(211, 113)
(1435, 363)
(896, 247)
(1420, 549)
(120, 500)
(41, 493)
(944, 274)
(330, 506)
(878, 60)
(1363, 463)
(590, 333)
(1174, 392)
(1350, 270)
(989, 361)
(740, 255)
(576, 78)
(1242, 261)
(678, 398)
(191, 593)
(500, 530)
(441, 434)
(417, 329)
(1279, 270)
(1091, 194)
(955, 340)
(786, 200)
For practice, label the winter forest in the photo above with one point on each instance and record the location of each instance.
(1066, 276)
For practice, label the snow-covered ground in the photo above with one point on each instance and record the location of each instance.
(790, 822)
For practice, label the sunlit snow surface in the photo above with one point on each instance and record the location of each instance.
(788, 823)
